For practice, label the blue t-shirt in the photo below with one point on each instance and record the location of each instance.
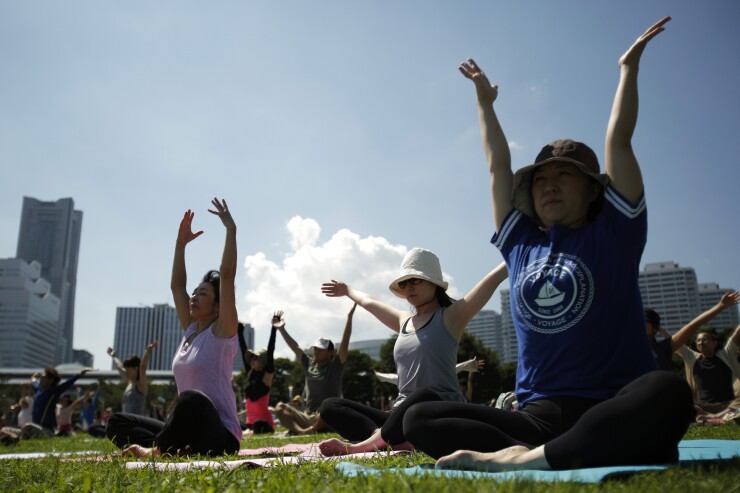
(575, 302)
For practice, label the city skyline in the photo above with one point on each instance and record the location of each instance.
(342, 135)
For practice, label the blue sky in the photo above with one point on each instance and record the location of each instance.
(341, 134)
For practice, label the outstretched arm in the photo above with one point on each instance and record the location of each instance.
(457, 316)
(620, 162)
(179, 281)
(389, 316)
(228, 319)
(494, 141)
(142, 384)
(280, 326)
(344, 345)
(687, 332)
(119, 365)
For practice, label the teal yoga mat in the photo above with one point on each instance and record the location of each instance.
(690, 451)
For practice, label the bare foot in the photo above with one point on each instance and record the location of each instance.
(334, 446)
(508, 459)
(139, 451)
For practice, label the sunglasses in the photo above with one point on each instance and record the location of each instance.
(410, 282)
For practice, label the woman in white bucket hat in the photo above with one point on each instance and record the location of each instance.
(572, 238)
(425, 352)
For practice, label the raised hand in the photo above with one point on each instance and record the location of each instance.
(185, 235)
(486, 91)
(334, 289)
(152, 345)
(222, 211)
(633, 54)
(277, 319)
(729, 299)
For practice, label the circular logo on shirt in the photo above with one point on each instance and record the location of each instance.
(553, 293)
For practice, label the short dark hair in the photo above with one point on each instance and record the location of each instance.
(213, 277)
(52, 374)
(132, 361)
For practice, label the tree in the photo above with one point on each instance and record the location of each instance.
(287, 373)
(358, 383)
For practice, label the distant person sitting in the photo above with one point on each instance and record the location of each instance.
(48, 390)
(664, 349)
(713, 373)
(64, 410)
(133, 374)
(261, 366)
(323, 375)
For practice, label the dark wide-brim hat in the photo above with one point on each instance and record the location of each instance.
(261, 355)
(566, 150)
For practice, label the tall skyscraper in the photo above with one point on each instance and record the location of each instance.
(50, 234)
(29, 316)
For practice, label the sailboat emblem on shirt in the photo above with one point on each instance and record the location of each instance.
(549, 295)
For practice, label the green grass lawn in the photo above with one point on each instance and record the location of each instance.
(53, 474)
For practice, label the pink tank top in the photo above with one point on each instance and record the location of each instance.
(258, 409)
(206, 366)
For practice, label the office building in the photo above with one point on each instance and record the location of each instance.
(29, 316)
(137, 327)
(486, 326)
(709, 295)
(50, 235)
(672, 291)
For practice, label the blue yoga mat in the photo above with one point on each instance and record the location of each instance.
(690, 451)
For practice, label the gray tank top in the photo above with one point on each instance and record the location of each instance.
(134, 402)
(426, 357)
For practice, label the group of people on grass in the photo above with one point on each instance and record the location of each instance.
(589, 389)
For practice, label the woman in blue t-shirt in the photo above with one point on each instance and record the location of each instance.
(572, 239)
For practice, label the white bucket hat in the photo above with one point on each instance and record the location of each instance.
(419, 264)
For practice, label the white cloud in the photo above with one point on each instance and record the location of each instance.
(293, 284)
(515, 146)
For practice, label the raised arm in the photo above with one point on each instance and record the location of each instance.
(344, 345)
(494, 141)
(178, 284)
(736, 336)
(681, 337)
(270, 363)
(457, 316)
(389, 316)
(242, 344)
(228, 320)
(620, 162)
(119, 365)
(280, 326)
(142, 384)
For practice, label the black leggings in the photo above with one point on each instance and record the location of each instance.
(641, 424)
(356, 422)
(194, 422)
